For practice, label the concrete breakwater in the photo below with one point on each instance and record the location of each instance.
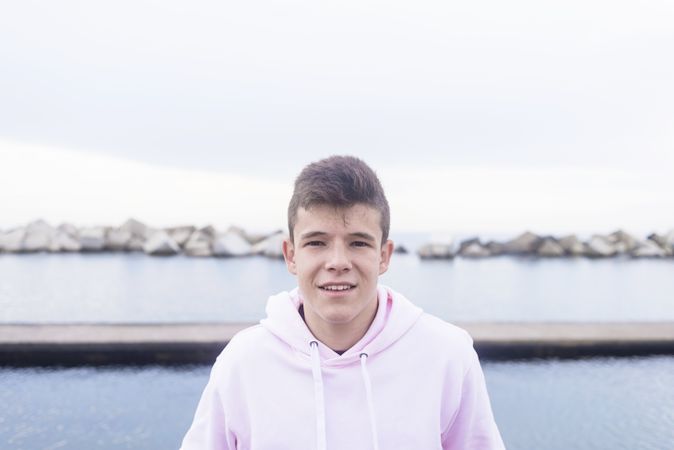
(135, 236)
(75, 344)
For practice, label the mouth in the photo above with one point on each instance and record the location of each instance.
(337, 287)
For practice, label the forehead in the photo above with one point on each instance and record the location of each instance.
(328, 218)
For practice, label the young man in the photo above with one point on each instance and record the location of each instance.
(341, 362)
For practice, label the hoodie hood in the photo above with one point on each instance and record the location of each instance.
(395, 316)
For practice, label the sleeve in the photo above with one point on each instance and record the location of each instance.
(473, 426)
(209, 430)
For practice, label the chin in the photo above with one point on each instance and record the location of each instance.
(338, 315)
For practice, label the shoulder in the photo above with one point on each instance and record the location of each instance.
(244, 342)
(429, 333)
(407, 313)
(440, 329)
(444, 338)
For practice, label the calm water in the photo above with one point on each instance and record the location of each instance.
(605, 403)
(137, 288)
(585, 404)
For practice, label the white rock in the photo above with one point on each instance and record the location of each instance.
(659, 239)
(12, 240)
(92, 239)
(199, 244)
(271, 246)
(37, 242)
(181, 234)
(136, 244)
(622, 241)
(648, 249)
(136, 228)
(252, 238)
(475, 250)
(526, 242)
(495, 248)
(466, 242)
(40, 226)
(550, 248)
(68, 228)
(230, 243)
(669, 239)
(117, 239)
(64, 242)
(39, 236)
(210, 231)
(599, 246)
(161, 244)
(572, 245)
(436, 250)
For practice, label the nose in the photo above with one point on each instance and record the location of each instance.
(338, 259)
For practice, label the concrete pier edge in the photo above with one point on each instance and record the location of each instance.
(200, 343)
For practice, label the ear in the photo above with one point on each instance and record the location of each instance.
(289, 256)
(386, 253)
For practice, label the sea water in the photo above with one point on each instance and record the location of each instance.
(134, 288)
(588, 404)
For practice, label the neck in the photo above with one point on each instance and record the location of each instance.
(341, 336)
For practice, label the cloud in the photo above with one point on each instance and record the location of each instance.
(226, 85)
(546, 200)
(64, 185)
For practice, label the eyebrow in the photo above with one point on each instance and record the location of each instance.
(358, 234)
(362, 235)
(312, 234)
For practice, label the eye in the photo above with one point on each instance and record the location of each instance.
(361, 244)
(313, 244)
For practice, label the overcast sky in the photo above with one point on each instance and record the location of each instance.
(555, 115)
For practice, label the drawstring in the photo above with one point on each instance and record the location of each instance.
(370, 403)
(318, 396)
(320, 399)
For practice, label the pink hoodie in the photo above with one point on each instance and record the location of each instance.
(412, 382)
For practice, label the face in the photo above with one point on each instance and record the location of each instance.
(337, 255)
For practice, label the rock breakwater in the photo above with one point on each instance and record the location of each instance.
(135, 236)
(619, 243)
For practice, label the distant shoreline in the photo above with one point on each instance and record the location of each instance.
(135, 236)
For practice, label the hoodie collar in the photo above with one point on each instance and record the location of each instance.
(395, 315)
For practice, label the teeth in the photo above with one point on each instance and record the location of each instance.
(343, 287)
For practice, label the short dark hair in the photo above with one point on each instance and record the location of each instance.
(339, 181)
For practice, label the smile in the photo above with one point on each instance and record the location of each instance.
(337, 287)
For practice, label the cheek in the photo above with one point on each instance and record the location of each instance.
(372, 267)
(305, 269)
